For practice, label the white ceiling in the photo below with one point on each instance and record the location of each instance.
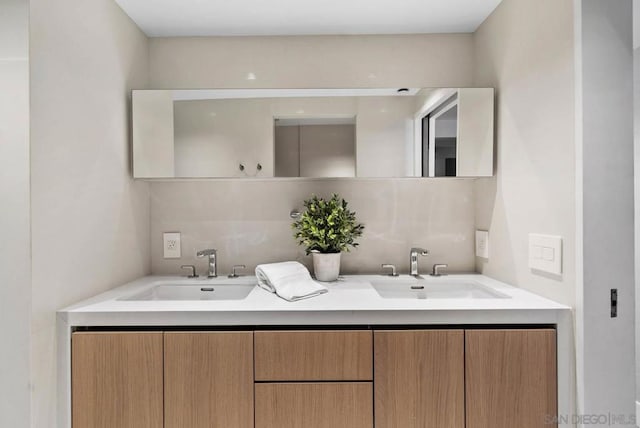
(167, 18)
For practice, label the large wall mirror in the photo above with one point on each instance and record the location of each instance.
(398, 132)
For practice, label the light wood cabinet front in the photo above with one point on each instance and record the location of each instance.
(314, 405)
(208, 379)
(419, 378)
(440, 378)
(511, 378)
(116, 380)
(313, 355)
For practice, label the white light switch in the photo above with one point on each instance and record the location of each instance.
(545, 253)
(171, 245)
(482, 244)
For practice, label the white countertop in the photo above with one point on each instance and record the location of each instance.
(351, 300)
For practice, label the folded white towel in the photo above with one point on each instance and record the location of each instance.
(289, 280)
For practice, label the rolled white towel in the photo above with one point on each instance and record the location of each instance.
(289, 280)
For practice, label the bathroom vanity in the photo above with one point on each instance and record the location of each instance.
(477, 355)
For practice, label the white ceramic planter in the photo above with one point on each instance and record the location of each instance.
(326, 266)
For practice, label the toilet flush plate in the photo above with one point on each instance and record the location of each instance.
(545, 253)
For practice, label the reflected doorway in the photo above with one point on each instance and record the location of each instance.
(315, 147)
(440, 141)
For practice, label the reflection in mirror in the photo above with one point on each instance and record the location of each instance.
(454, 133)
(374, 132)
(315, 147)
(441, 130)
(445, 143)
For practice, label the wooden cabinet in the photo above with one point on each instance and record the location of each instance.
(511, 378)
(314, 405)
(208, 379)
(313, 355)
(156, 380)
(444, 378)
(117, 380)
(474, 378)
(419, 378)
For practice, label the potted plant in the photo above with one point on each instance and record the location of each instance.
(326, 229)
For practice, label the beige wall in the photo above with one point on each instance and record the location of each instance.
(90, 219)
(312, 61)
(15, 262)
(525, 50)
(248, 221)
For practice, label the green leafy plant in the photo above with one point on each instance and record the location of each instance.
(327, 226)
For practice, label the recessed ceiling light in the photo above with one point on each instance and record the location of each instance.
(251, 76)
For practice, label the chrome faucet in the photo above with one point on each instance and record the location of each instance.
(212, 254)
(413, 259)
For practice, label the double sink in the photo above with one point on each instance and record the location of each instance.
(402, 287)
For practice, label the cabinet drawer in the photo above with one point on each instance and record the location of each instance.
(313, 355)
(314, 405)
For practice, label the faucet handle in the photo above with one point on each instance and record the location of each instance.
(233, 273)
(392, 267)
(193, 270)
(436, 269)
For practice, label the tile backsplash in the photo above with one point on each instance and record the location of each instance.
(248, 221)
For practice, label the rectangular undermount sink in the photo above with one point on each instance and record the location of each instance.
(441, 288)
(217, 291)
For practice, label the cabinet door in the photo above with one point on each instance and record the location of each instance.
(511, 378)
(314, 405)
(208, 379)
(116, 380)
(419, 378)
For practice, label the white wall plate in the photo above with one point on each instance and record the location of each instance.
(545, 253)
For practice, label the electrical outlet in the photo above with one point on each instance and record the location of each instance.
(171, 245)
(482, 244)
